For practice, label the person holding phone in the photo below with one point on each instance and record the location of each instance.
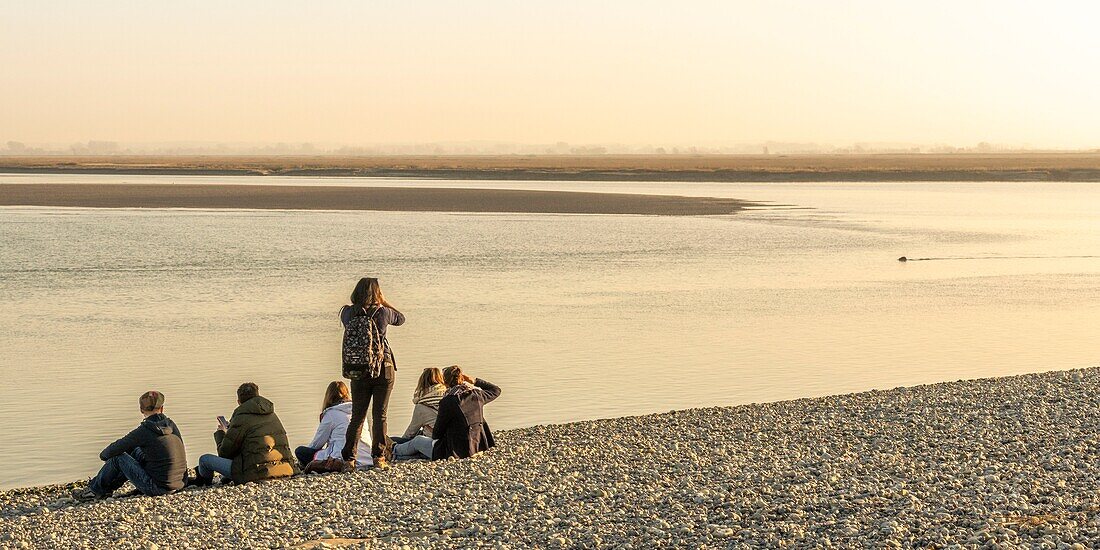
(252, 444)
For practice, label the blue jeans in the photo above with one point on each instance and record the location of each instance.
(208, 464)
(118, 469)
(304, 455)
(420, 446)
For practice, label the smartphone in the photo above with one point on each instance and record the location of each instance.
(223, 422)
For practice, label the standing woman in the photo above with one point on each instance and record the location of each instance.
(369, 364)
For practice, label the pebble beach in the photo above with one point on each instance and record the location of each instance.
(1000, 462)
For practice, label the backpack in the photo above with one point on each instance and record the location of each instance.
(364, 347)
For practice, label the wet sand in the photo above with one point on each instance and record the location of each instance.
(358, 198)
(1083, 166)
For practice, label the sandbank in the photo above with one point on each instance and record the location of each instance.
(358, 198)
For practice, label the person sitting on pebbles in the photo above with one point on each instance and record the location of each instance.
(323, 454)
(151, 456)
(460, 429)
(252, 445)
(429, 390)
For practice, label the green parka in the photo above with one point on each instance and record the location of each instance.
(256, 442)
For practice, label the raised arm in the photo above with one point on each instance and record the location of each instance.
(489, 390)
(229, 441)
(396, 317)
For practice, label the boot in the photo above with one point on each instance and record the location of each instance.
(196, 480)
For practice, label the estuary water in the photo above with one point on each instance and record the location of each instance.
(574, 316)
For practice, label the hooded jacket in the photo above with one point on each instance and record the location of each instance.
(332, 433)
(161, 444)
(460, 429)
(256, 442)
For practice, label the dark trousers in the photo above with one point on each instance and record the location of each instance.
(118, 469)
(373, 392)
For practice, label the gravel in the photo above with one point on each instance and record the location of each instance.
(1003, 462)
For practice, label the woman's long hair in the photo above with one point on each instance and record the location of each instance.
(336, 393)
(430, 377)
(367, 293)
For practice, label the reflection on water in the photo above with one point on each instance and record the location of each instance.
(574, 316)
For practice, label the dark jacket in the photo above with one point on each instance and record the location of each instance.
(162, 452)
(460, 429)
(257, 443)
(383, 316)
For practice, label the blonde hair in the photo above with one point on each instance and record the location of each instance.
(431, 376)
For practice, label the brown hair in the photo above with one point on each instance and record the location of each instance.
(151, 401)
(247, 391)
(431, 376)
(367, 293)
(453, 376)
(336, 393)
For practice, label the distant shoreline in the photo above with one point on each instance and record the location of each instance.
(295, 197)
(1079, 167)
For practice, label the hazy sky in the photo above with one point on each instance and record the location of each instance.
(633, 72)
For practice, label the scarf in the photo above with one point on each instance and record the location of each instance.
(460, 390)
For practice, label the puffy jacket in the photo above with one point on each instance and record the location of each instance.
(333, 432)
(161, 446)
(257, 443)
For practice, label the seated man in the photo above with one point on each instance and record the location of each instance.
(151, 456)
(252, 447)
(460, 430)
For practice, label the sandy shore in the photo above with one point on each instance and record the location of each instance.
(358, 198)
(1001, 462)
(743, 168)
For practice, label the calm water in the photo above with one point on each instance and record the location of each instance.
(576, 317)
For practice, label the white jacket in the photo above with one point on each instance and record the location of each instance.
(332, 433)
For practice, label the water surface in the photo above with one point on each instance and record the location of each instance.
(575, 316)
